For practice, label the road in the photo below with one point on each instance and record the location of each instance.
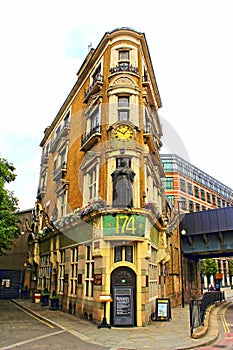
(23, 330)
(225, 325)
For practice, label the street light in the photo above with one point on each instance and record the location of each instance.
(183, 233)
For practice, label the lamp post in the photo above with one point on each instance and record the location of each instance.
(183, 233)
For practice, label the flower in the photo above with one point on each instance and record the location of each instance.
(79, 213)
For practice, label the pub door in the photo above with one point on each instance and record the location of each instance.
(123, 283)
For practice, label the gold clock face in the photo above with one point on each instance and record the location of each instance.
(123, 132)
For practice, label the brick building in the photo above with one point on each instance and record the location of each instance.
(101, 223)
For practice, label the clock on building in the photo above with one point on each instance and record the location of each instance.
(123, 132)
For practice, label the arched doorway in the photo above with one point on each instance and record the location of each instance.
(123, 289)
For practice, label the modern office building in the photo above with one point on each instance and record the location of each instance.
(101, 222)
(190, 189)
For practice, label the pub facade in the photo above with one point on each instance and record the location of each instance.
(102, 224)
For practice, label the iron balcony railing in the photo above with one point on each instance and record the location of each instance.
(97, 79)
(85, 137)
(125, 67)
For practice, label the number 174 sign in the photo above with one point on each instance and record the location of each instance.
(123, 224)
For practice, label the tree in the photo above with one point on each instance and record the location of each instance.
(209, 268)
(9, 229)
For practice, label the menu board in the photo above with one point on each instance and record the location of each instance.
(123, 305)
(123, 310)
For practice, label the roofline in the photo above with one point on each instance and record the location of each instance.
(92, 55)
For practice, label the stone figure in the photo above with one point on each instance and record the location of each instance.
(123, 178)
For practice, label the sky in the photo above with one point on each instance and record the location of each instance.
(43, 44)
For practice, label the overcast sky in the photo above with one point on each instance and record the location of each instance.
(43, 43)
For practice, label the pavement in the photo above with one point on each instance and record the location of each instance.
(162, 335)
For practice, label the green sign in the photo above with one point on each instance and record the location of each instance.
(124, 225)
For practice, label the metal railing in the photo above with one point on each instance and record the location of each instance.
(198, 307)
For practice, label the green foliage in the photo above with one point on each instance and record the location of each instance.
(209, 267)
(230, 267)
(45, 292)
(9, 221)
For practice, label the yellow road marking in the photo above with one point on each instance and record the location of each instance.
(224, 322)
(36, 318)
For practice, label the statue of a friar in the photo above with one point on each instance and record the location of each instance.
(123, 178)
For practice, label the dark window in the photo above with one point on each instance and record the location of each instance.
(129, 253)
(197, 207)
(203, 195)
(196, 190)
(117, 254)
(190, 189)
(182, 185)
(191, 206)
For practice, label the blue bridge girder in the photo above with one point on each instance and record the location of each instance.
(209, 233)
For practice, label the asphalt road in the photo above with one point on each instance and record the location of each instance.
(225, 326)
(21, 330)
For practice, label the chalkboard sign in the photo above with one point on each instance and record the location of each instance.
(163, 309)
(123, 305)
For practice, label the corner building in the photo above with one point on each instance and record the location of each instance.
(101, 217)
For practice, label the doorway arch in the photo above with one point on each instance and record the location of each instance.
(123, 289)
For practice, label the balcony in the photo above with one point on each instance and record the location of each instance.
(89, 139)
(124, 67)
(63, 132)
(94, 87)
(152, 140)
(145, 79)
(45, 158)
(60, 172)
(41, 192)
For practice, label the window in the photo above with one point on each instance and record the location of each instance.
(61, 272)
(61, 203)
(90, 169)
(183, 203)
(197, 207)
(44, 272)
(171, 199)
(203, 195)
(93, 125)
(191, 206)
(182, 185)
(153, 275)
(124, 55)
(214, 199)
(196, 191)
(124, 58)
(147, 124)
(190, 189)
(168, 183)
(92, 186)
(208, 197)
(167, 165)
(89, 276)
(123, 108)
(74, 270)
(123, 253)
